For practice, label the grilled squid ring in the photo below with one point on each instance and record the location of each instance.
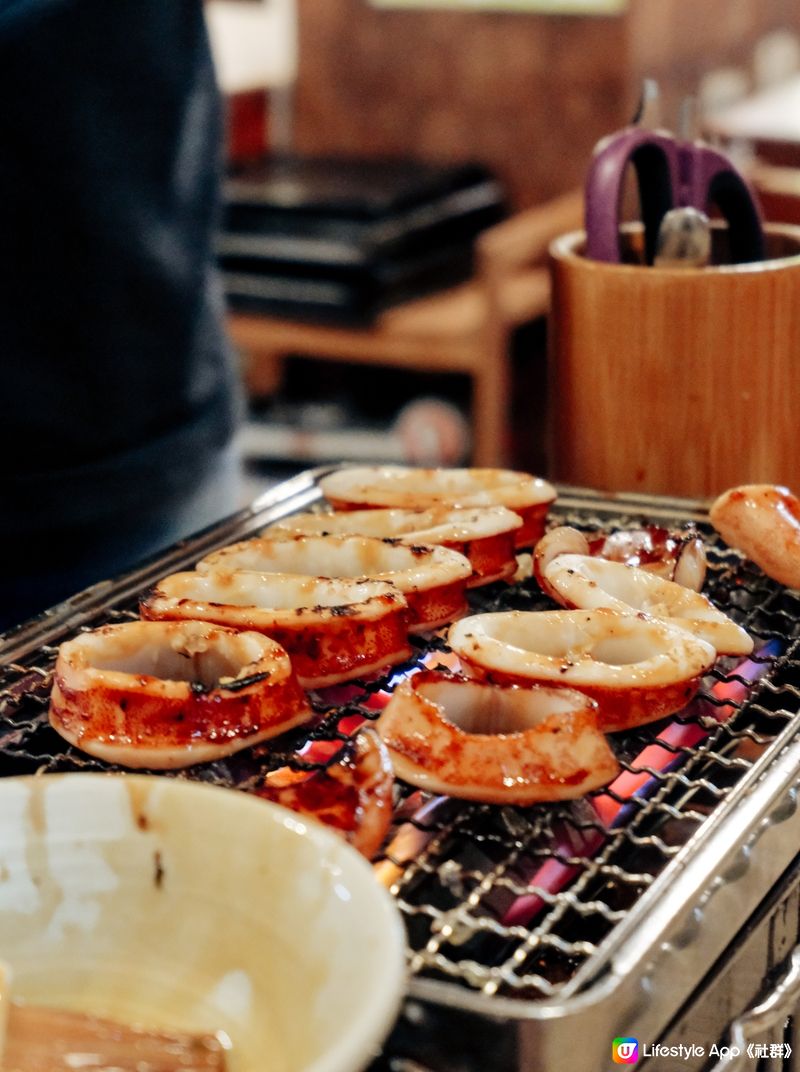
(485, 535)
(636, 668)
(333, 630)
(500, 745)
(587, 583)
(763, 521)
(170, 694)
(417, 489)
(432, 579)
(354, 795)
(679, 557)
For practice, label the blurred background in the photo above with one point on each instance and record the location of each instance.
(396, 170)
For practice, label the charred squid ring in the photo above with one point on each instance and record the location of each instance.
(637, 668)
(762, 521)
(588, 583)
(484, 535)
(497, 744)
(398, 486)
(333, 630)
(353, 795)
(432, 579)
(170, 694)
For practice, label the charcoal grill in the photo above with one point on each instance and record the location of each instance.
(675, 925)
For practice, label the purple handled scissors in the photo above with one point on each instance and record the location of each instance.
(670, 174)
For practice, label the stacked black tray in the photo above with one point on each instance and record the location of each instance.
(338, 240)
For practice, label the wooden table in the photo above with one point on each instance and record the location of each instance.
(465, 329)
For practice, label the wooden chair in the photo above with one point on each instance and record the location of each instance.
(466, 329)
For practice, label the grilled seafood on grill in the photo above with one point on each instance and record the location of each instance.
(763, 521)
(485, 535)
(497, 744)
(170, 694)
(410, 489)
(334, 630)
(679, 557)
(586, 582)
(353, 795)
(638, 669)
(432, 579)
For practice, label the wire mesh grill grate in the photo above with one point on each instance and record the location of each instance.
(504, 900)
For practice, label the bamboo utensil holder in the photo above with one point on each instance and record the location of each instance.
(677, 381)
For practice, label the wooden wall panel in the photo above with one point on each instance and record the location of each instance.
(677, 41)
(527, 94)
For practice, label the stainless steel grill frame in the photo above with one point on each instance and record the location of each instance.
(651, 904)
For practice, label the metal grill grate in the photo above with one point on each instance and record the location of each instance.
(512, 901)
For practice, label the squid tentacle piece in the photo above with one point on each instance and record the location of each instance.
(679, 557)
(353, 795)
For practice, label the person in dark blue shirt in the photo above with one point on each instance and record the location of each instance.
(120, 394)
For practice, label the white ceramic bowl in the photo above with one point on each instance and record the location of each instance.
(176, 904)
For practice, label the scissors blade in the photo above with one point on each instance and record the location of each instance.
(687, 119)
(648, 110)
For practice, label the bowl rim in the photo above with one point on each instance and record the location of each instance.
(349, 1051)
